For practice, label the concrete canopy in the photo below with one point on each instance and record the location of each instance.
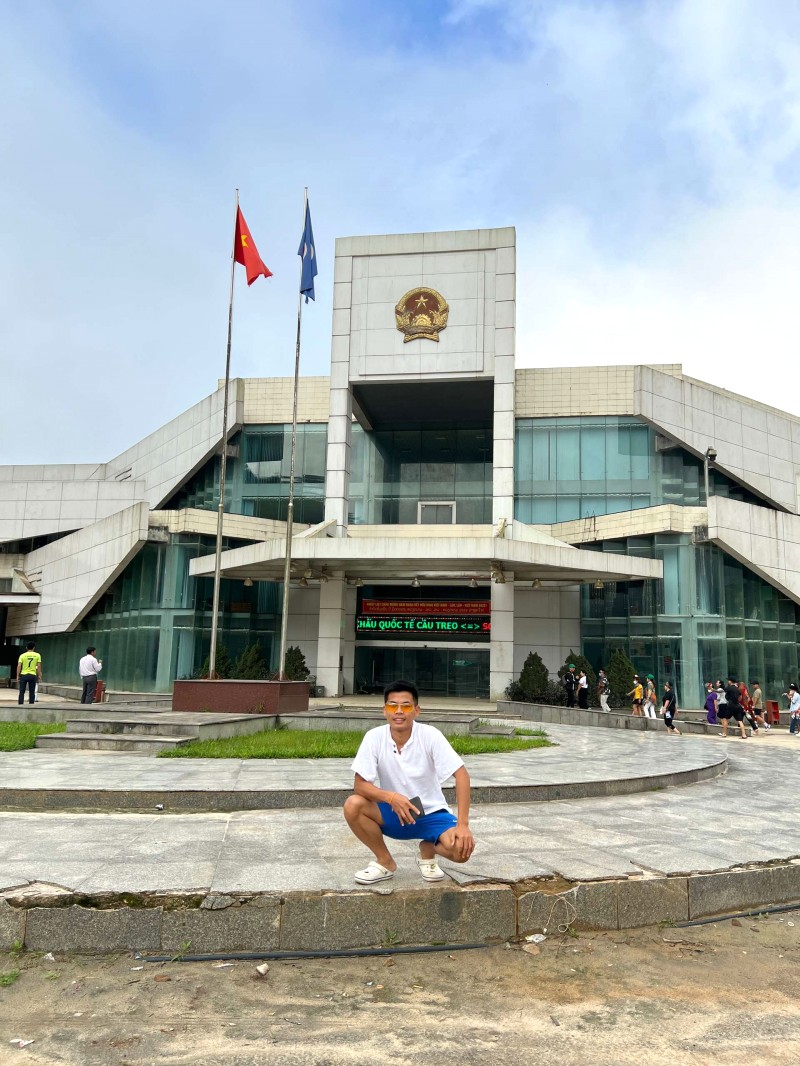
(386, 558)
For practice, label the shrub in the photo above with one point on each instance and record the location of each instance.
(620, 672)
(534, 685)
(224, 666)
(250, 666)
(295, 665)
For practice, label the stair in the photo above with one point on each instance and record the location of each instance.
(137, 731)
(131, 744)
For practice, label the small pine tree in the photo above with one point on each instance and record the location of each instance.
(295, 665)
(250, 665)
(224, 664)
(582, 663)
(534, 677)
(620, 672)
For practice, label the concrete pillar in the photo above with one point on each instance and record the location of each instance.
(501, 649)
(337, 477)
(331, 626)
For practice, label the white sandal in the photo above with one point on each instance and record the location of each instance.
(430, 870)
(373, 872)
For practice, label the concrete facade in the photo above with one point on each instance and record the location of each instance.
(98, 517)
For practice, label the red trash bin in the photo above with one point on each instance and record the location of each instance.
(99, 692)
(773, 712)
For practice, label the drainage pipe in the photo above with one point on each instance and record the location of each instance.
(351, 953)
(740, 914)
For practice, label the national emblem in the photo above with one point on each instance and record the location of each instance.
(421, 315)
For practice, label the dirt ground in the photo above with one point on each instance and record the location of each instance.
(727, 993)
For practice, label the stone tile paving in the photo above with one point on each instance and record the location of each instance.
(745, 816)
(582, 755)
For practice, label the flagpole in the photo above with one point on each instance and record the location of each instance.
(287, 562)
(212, 655)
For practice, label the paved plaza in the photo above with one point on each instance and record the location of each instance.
(745, 816)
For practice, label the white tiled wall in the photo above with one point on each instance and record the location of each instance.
(561, 392)
(767, 541)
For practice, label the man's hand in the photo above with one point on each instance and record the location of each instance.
(403, 808)
(463, 841)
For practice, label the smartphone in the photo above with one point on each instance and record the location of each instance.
(415, 801)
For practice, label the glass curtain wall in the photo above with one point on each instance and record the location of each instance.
(393, 470)
(154, 622)
(569, 468)
(257, 480)
(710, 617)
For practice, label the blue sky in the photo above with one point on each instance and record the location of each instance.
(648, 154)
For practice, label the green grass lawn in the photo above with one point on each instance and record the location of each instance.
(326, 744)
(16, 736)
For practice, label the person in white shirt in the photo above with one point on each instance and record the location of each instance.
(89, 667)
(411, 761)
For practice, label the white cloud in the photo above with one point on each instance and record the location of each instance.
(647, 154)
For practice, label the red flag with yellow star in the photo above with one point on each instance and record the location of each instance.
(246, 253)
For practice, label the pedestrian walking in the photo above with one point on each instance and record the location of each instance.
(638, 696)
(711, 704)
(757, 705)
(29, 671)
(411, 762)
(794, 709)
(603, 689)
(583, 691)
(570, 684)
(650, 697)
(732, 708)
(669, 708)
(747, 707)
(89, 667)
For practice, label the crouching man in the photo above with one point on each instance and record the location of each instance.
(411, 761)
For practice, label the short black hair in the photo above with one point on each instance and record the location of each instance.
(91, 649)
(401, 686)
(30, 645)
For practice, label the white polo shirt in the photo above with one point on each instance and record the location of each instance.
(89, 666)
(419, 769)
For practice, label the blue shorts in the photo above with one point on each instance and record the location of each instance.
(427, 827)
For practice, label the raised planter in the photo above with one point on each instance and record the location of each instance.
(241, 697)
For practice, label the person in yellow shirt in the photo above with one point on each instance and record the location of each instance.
(29, 671)
(638, 696)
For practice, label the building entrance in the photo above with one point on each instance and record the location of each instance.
(435, 671)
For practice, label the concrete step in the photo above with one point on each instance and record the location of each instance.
(492, 731)
(101, 724)
(142, 745)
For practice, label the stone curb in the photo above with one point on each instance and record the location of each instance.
(32, 799)
(329, 921)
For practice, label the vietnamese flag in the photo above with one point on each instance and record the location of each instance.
(246, 253)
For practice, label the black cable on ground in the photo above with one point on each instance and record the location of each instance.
(740, 914)
(354, 953)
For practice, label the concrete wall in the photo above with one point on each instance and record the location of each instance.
(768, 542)
(303, 623)
(756, 445)
(562, 392)
(547, 621)
(472, 269)
(39, 500)
(270, 400)
(72, 573)
(166, 458)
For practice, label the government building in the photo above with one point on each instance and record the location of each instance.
(452, 514)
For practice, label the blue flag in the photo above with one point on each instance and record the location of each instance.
(308, 253)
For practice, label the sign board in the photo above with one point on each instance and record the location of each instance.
(451, 620)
